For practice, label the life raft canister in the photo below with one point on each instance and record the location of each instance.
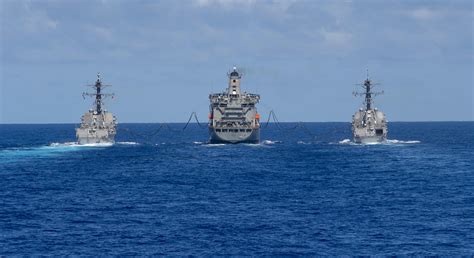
(257, 116)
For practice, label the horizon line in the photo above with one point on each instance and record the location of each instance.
(62, 123)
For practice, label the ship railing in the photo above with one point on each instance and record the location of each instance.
(233, 118)
(233, 124)
(234, 108)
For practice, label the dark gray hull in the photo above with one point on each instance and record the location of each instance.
(370, 139)
(101, 136)
(241, 136)
(93, 140)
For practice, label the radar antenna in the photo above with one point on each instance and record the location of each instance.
(99, 96)
(368, 93)
(233, 89)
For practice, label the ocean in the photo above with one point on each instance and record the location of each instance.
(302, 191)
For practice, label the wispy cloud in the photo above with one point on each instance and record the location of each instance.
(297, 40)
(35, 20)
(102, 33)
(225, 3)
(337, 39)
(424, 14)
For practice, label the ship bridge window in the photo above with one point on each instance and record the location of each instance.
(378, 131)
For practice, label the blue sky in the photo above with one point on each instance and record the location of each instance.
(163, 58)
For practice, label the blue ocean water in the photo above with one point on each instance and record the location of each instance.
(300, 192)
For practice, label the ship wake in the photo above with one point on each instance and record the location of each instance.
(402, 142)
(77, 145)
(270, 142)
(52, 150)
(127, 143)
(261, 144)
(386, 142)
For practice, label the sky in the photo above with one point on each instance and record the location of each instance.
(304, 57)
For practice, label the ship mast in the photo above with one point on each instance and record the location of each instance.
(98, 94)
(368, 93)
(234, 82)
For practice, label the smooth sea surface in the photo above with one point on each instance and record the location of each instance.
(307, 191)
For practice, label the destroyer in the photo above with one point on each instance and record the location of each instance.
(233, 116)
(369, 124)
(97, 125)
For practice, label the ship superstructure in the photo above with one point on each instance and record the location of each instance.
(369, 124)
(233, 114)
(97, 125)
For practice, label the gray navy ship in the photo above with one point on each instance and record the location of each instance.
(369, 124)
(233, 115)
(97, 125)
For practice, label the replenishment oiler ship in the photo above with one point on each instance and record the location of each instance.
(233, 115)
(369, 124)
(97, 125)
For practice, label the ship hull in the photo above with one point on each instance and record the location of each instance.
(369, 139)
(240, 136)
(84, 136)
(93, 140)
(369, 127)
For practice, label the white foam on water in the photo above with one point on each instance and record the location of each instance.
(402, 142)
(214, 144)
(198, 143)
(387, 142)
(345, 141)
(372, 143)
(63, 144)
(303, 143)
(128, 143)
(270, 142)
(51, 150)
(256, 145)
(75, 145)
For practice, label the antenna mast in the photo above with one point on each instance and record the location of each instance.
(368, 93)
(98, 94)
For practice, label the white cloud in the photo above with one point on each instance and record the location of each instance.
(336, 38)
(101, 32)
(424, 14)
(35, 20)
(341, 11)
(224, 3)
(278, 6)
